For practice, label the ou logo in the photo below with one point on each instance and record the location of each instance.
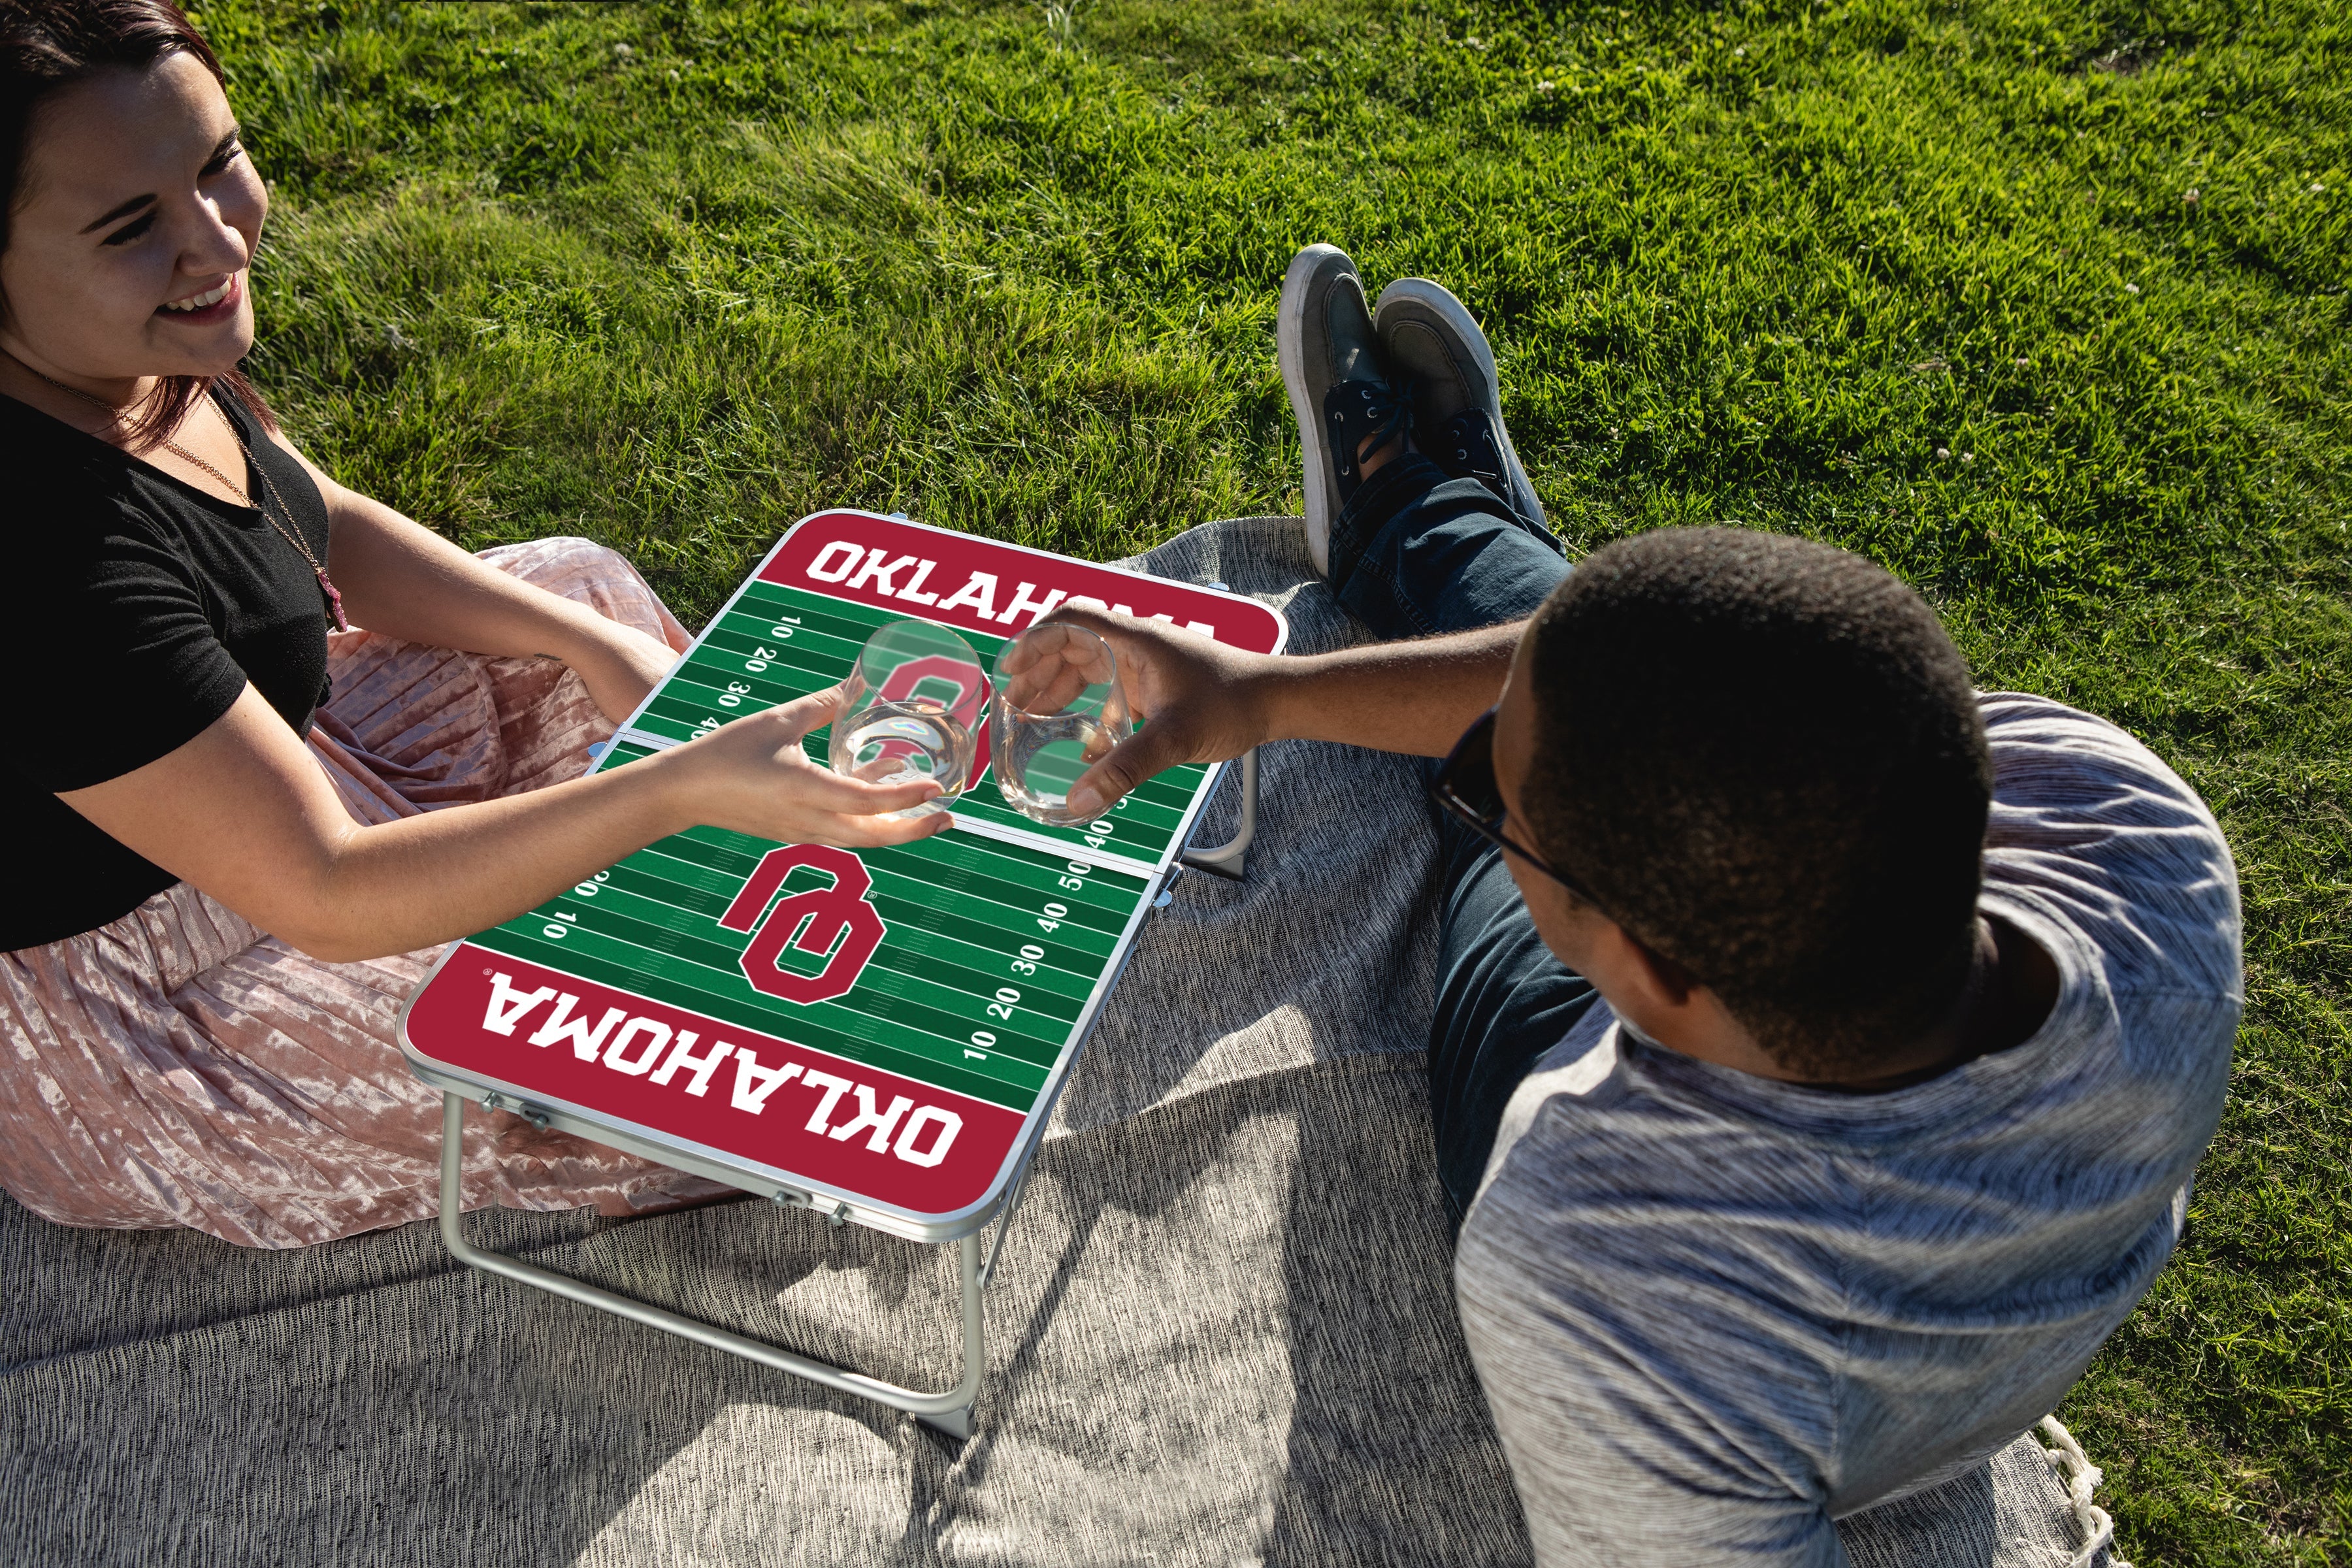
(834, 924)
(969, 705)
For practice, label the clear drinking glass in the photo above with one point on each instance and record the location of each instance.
(913, 710)
(1059, 709)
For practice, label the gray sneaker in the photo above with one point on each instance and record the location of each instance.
(1435, 346)
(1337, 380)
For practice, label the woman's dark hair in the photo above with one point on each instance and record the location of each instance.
(47, 45)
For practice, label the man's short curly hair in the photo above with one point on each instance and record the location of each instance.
(1764, 757)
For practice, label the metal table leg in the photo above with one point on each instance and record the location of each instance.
(950, 1412)
(1229, 859)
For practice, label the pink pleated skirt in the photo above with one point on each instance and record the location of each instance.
(180, 1067)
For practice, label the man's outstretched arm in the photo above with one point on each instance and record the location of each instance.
(1209, 703)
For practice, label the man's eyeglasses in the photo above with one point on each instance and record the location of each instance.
(1464, 786)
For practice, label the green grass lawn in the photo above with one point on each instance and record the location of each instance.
(2040, 304)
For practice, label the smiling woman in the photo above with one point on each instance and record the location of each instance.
(240, 834)
(97, 313)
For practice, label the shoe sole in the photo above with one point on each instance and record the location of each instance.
(1290, 352)
(1463, 328)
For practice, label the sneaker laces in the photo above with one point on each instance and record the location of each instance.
(1471, 434)
(1366, 416)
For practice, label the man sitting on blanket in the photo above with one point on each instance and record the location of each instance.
(1823, 1049)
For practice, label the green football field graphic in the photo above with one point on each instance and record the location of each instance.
(991, 949)
(959, 911)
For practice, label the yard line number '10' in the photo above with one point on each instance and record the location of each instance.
(587, 889)
(763, 656)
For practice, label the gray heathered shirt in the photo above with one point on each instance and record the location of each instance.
(1714, 1313)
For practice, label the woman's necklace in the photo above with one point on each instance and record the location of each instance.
(268, 493)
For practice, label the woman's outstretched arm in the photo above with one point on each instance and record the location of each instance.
(400, 578)
(244, 813)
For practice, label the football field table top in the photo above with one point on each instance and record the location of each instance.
(878, 1033)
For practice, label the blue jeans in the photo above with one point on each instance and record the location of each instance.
(1414, 554)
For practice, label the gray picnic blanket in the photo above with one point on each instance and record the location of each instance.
(1222, 1331)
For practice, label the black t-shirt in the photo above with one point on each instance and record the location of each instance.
(141, 607)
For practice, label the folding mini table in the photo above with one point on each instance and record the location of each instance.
(879, 1036)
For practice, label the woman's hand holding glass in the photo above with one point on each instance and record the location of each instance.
(752, 776)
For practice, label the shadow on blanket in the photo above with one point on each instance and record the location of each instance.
(1223, 1330)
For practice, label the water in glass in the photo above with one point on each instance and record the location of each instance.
(1059, 709)
(914, 706)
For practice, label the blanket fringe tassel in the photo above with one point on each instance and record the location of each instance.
(2074, 1467)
